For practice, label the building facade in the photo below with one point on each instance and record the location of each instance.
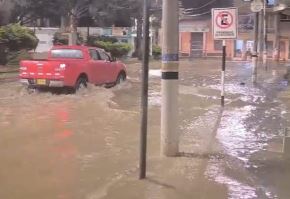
(196, 39)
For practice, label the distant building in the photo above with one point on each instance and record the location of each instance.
(196, 38)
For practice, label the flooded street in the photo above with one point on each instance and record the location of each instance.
(86, 146)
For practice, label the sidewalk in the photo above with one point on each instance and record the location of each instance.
(6, 69)
(8, 74)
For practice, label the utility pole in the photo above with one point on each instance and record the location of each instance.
(170, 76)
(255, 48)
(265, 34)
(260, 38)
(144, 94)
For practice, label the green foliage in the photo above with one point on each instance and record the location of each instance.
(110, 45)
(93, 38)
(156, 52)
(16, 56)
(62, 39)
(17, 37)
(3, 54)
(119, 49)
(101, 12)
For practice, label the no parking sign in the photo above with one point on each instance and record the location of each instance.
(224, 23)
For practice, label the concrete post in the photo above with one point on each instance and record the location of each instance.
(276, 53)
(255, 47)
(169, 82)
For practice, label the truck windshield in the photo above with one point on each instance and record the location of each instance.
(67, 53)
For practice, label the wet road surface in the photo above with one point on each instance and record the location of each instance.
(85, 146)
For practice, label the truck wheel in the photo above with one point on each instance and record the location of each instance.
(121, 78)
(82, 82)
(32, 90)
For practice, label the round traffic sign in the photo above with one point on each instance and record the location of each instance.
(224, 20)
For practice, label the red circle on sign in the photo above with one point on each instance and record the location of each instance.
(220, 16)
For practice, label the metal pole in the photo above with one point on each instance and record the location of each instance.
(170, 76)
(144, 94)
(223, 73)
(276, 55)
(265, 34)
(255, 47)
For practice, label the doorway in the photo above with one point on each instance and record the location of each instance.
(196, 44)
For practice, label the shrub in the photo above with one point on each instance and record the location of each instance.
(119, 49)
(156, 52)
(110, 45)
(93, 38)
(15, 57)
(15, 41)
(16, 37)
(3, 54)
(115, 49)
(60, 38)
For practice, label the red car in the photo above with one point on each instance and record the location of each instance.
(72, 67)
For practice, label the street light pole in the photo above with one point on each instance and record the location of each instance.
(170, 75)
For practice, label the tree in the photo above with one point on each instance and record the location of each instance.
(28, 11)
(71, 12)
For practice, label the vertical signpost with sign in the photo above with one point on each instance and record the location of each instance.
(225, 27)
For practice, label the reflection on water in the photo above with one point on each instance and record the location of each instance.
(237, 139)
(237, 189)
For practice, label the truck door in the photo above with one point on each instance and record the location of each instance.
(97, 68)
(109, 67)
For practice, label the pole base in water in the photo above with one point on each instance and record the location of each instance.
(169, 118)
(223, 101)
(286, 146)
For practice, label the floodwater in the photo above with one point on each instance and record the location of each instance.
(86, 146)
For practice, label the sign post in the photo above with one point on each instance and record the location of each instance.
(225, 26)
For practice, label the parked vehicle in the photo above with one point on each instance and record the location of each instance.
(72, 67)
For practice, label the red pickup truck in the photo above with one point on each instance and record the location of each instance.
(72, 67)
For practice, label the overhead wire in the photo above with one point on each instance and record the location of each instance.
(205, 5)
